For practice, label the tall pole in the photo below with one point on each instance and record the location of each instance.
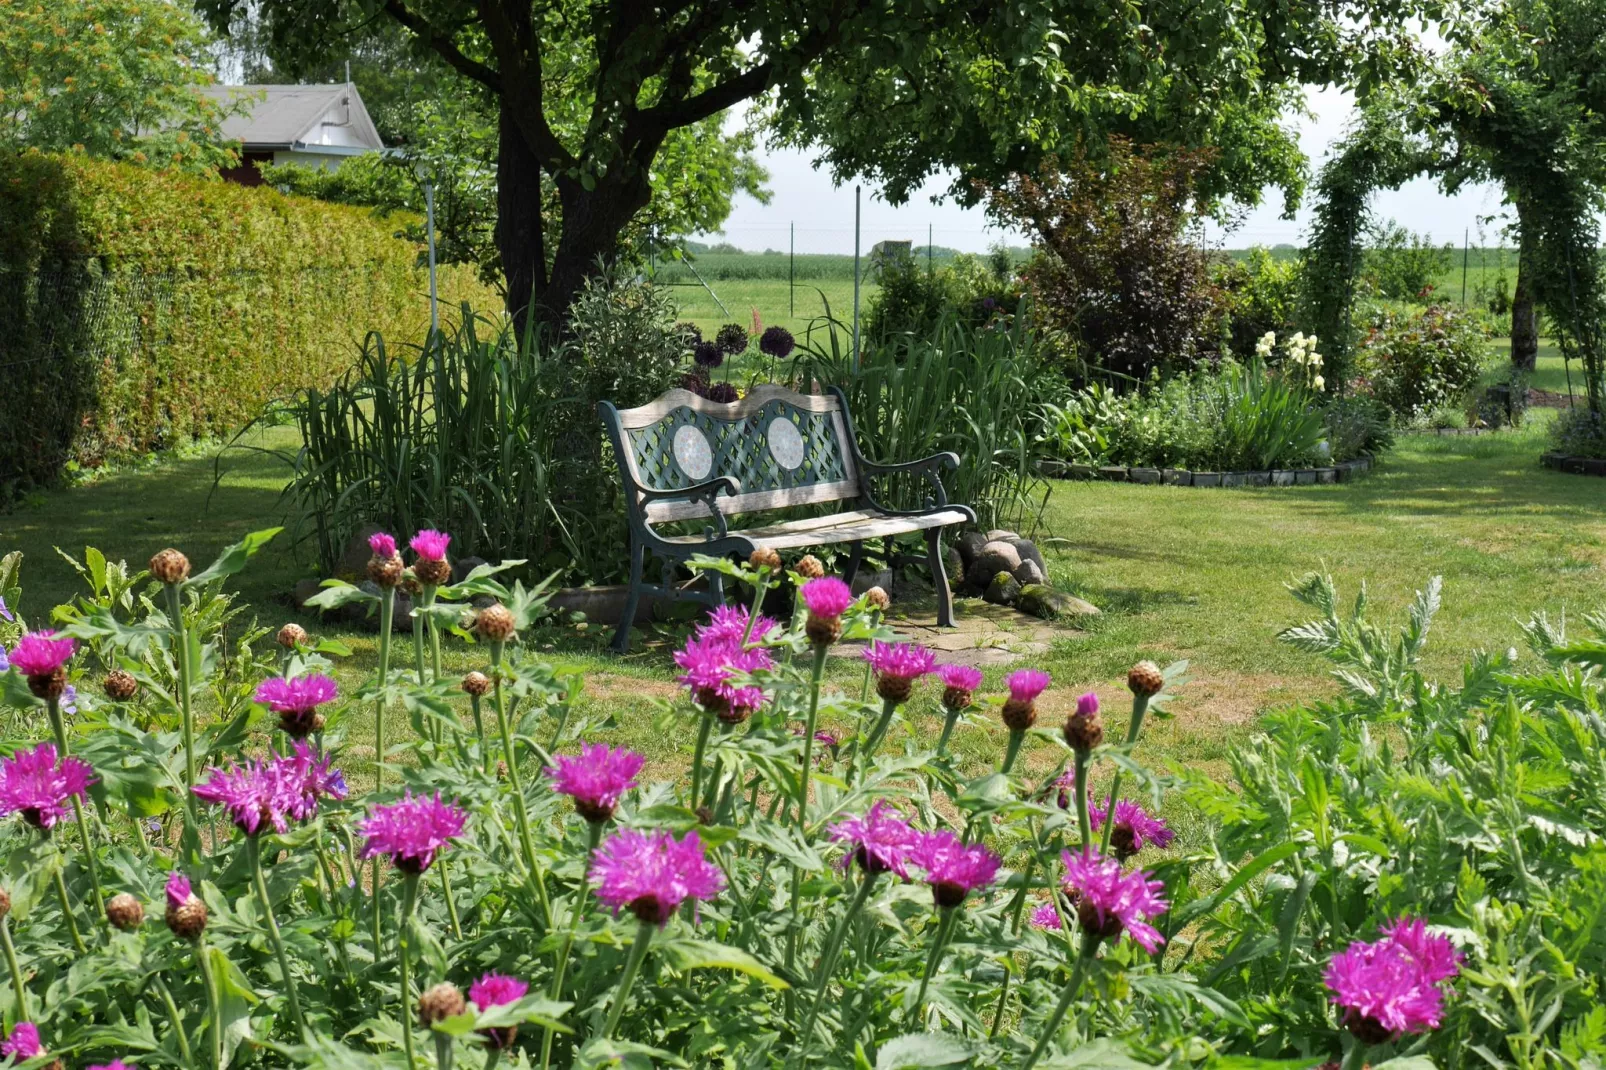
(429, 210)
(1466, 249)
(791, 270)
(930, 270)
(856, 278)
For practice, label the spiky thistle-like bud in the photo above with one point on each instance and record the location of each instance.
(810, 568)
(476, 684)
(495, 623)
(765, 557)
(1145, 679)
(120, 686)
(170, 566)
(439, 1003)
(291, 636)
(125, 912)
(877, 599)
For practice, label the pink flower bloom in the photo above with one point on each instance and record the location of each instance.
(430, 544)
(23, 1043)
(1046, 917)
(728, 624)
(963, 677)
(1026, 684)
(412, 830)
(382, 545)
(953, 868)
(827, 597)
(1109, 900)
(712, 666)
(299, 694)
(34, 785)
(41, 653)
(1134, 827)
(178, 889)
(1394, 985)
(652, 873)
(596, 778)
(495, 989)
(903, 661)
(1086, 705)
(256, 795)
(115, 1064)
(312, 776)
(879, 841)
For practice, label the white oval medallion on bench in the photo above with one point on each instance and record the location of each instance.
(693, 453)
(786, 445)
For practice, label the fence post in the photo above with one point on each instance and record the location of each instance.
(856, 278)
(791, 270)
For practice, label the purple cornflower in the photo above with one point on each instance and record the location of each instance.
(269, 792)
(728, 624)
(1395, 985)
(1134, 827)
(495, 989)
(382, 545)
(312, 776)
(34, 785)
(1108, 900)
(652, 873)
(959, 683)
(1046, 917)
(897, 666)
(41, 653)
(296, 701)
(880, 840)
(179, 891)
(115, 1064)
(412, 830)
(777, 342)
(1086, 705)
(711, 665)
(1020, 708)
(23, 1043)
(827, 597)
(953, 868)
(430, 545)
(596, 778)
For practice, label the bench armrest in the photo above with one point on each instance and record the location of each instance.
(948, 460)
(707, 493)
(931, 467)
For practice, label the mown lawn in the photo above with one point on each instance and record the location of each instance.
(1180, 573)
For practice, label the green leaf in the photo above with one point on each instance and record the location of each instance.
(337, 593)
(783, 841)
(685, 953)
(1246, 873)
(1406, 1062)
(233, 558)
(922, 1049)
(235, 997)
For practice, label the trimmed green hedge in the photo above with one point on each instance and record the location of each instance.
(144, 308)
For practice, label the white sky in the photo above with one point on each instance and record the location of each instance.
(823, 213)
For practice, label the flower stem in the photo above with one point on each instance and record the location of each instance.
(175, 1019)
(815, 675)
(418, 633)
(387, 617)
(877, 734)
(520, 811)
(1012, 750)
(181, 645)
(16, 971)
(703, 731)
(443, 1050)
(213, 1002)
(950, 718)
(1355, 1058)
(405, 1018)
(479, 730)
(759, 590)
(451, 902)
(1083, 820)
(1140, 706)
(254, 847)
(66, 912)
(576, 912)
(54, 707)
(945, 929)
(638, 954)
(1090, 946)
(828, 957)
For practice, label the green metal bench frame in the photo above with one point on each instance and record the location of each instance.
(683, 457)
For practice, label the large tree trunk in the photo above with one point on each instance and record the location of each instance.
(1524, 316)
(520, 238)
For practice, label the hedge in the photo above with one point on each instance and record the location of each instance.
(145, 308)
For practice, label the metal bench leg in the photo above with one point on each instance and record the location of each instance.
(621, 638)
(939, 578)
(855, 559)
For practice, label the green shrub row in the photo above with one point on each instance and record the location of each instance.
(146, 308)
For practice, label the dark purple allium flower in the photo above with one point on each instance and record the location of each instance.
(696, 381)
(1134, 828)
(1026, 684)
(989, 303)
(296, 700)
(1395, 985)
(179, 891)
(732, 338)
(41, 653)
(23, 1042)
(707, 354)
(880, 840)
(412, 830)
(953, 868)
(827, 597)
(382, 545)
(596, 778)
(1046, 917)
(689, 332)
(496, 989)
(777, 342)
(1108, 901)
(652, 873)
(430, 545)
(722, 393)
(34, 785)
(728, 624)
(897, 666)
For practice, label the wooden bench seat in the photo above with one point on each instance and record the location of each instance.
(685, 458)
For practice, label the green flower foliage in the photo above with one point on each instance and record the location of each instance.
(1413, 361)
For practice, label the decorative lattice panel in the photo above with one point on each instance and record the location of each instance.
(741, 449)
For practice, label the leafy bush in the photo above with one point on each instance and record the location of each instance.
(1419, 360)
(1357, 424)
(1261, 295)
(1579, 432)
(150, 308)
(1114, 269)
(911, 299)
(1402, 265)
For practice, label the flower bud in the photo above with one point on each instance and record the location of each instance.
(765, 557)
(495, 623)
(5, 902)
(1084, 730)
(476, 684)
(291, 636)
(432, 572)
(1145, 679)
(51, 686)
(125, 912)
(876, 598)
(894, 689)
(1018, 716)
(386, 572)
(439, 1003)
(187, 919)
(823, 631)
(120, 686)
(170, 567)
(810, 568)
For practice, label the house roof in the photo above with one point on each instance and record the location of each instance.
(306, 118)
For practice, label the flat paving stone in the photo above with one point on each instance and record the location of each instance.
(985, 635)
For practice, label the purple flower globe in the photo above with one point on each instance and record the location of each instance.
(897, 666)
(1020, 708)
(953, 868)
(1109, 901)
(596, 779)
(430, 544)
(879, 841)
(728, 624)
(35, 785)
(268, 793)
(652, 873)
(707, 354)
(1393, 986)
(1046, 917)
(777, 342)
(496, 990)
(959, 684)
(296, 701)
(41, 654)
(412, 830)
(1134, 828)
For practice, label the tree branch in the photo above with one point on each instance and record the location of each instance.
(444, 46)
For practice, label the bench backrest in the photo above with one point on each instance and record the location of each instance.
(782, 448)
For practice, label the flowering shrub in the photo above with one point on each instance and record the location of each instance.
(1418, 360)
(865, 902)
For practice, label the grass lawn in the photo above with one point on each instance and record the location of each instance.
(1179, 572)
(771, 300)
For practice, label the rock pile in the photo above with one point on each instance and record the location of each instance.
(1008, 570)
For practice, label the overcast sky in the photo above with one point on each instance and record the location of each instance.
(823, 213)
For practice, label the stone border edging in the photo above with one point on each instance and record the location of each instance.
(1581, 466)
(1452, 431)
(1182, 477)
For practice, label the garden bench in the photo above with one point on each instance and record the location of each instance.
(683, 457)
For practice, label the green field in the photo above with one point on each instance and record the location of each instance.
(771, 301)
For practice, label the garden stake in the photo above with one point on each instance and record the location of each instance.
(638, 954)
(254, 847)
(17, 986)
(53, 705)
